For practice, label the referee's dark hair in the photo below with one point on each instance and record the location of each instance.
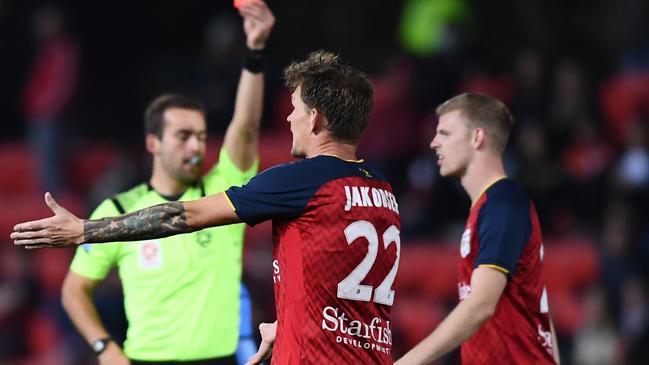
(154, 114)
(341, 93)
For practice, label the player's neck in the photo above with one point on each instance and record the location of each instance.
(480, 175)
(163, 184)
(343, 151)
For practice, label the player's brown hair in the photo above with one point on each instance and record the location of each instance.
(154, 114)
(341, 93)
(484, 111)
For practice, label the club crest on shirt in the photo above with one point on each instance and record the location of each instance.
(465, 243)
(150, 254)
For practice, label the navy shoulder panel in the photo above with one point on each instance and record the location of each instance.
(284, 191)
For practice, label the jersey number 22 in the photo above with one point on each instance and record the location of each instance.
(350, 287)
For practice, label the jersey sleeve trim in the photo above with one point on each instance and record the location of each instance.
(227, 198)
(496, 267)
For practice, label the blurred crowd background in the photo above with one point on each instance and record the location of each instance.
(75, 77)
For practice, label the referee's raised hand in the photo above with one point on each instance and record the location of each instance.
(258, 22)
(61, 230)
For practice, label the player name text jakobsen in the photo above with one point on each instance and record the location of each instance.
(364, 196)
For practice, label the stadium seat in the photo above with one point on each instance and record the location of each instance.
(571, 267)
(428, 269)
(622, 97)
(415, 317)
(19, 175)
(85, 167)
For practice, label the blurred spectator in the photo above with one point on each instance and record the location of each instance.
(616, 252)
(500, 86)
(588, 155)
(216, 74)
(18, 298)
(634, 320)
(634, 315)
(393, 105)
(569, 102)
(632, 170)
(537, 172)
(622, 97)
(586, 158)
(643, 248)
(51, 83)
(596, 342)
(530, 99)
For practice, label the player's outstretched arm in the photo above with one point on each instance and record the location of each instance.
(65, 229)
(487, 285)
(242, 135)
(268, 332)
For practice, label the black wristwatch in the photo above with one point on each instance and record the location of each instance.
(98, 346)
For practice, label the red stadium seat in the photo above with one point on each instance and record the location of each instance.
(43, 331)
(622, 97)
(89, 164)
(571, 266)
(428, 269)
(414, 318)
(18, 170)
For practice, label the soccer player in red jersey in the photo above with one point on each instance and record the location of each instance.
(335, 226)
(503, 315)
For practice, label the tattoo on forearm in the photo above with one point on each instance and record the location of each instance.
(154, 222)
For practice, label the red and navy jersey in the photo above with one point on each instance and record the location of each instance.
(336, 252)
(503, 233)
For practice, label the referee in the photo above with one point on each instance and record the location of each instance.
(181, 293)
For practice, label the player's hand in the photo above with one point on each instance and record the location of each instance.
(258, 21)
(113, 355)
(268, 332)
(61, 230)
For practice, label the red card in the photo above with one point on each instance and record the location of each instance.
(239, 3)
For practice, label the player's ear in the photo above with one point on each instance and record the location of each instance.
(152, 143)
(479, 137)
(317, 121)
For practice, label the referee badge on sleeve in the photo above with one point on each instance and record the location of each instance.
(150, 254)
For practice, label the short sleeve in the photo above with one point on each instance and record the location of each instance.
(225, 174)
(504, 228)
(94, 261)
(279, 192)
